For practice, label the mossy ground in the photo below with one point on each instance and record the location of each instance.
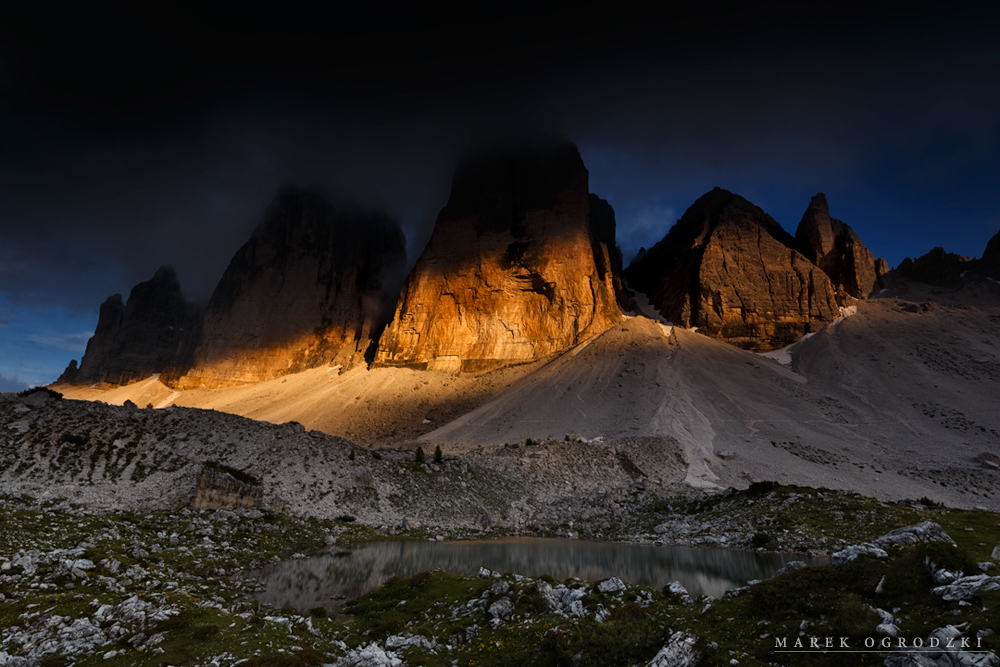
(192, 560)
(794, 518)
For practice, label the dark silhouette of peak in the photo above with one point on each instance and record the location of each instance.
(834, 247)
(937, 267)
(501, 186)
(313, 285)
(149, 334)
(989, 264)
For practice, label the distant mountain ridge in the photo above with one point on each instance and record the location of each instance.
(150, 333)
(522, 265)
(313, 286)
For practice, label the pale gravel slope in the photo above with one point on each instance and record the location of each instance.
(381, 406)
(890, 402)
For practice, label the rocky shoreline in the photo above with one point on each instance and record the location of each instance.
(148, 588)
(129, 534)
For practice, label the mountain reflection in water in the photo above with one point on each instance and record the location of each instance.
(318, 581)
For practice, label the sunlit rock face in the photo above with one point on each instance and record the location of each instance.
(143, 336)
(834, 247)
(730, 270)
(522, 264)
(311, 287)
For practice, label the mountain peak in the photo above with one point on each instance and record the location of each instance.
(834, 247)
(729, 268)
(518, 267)
(312, 286)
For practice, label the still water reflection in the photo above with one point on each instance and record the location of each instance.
(319, 581)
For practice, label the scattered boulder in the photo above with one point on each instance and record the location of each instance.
(679, 652)
(499, 587)
(790, 566)
(397, 643)
(546, 592)
(216, 490)
(612, 585)
(852, 552)
(925, 531)
(372, 655)
(677, 590)
(966, 588)
(502, 608)
(943, 648)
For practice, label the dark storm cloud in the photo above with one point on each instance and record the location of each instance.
(126, 149)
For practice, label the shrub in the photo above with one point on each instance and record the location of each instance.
(760, 488)
(45, 390)
(204, 632)
(305, 658)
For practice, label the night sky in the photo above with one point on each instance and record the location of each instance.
(129, 140)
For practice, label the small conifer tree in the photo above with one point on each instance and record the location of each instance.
(438, 456)
(420, 454)
(351, 455)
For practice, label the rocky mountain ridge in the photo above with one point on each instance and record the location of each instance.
(521, 268)
(834, 247)
(313, 286)
(730, 270)
(310, 288)
(152, 332)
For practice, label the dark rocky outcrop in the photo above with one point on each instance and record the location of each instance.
(834, 247)
(217, 490)
(70, 375)
(522, 264)
(989, 264)
(147, 335)
(312, 287)
(729, 269)
(940, 268)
